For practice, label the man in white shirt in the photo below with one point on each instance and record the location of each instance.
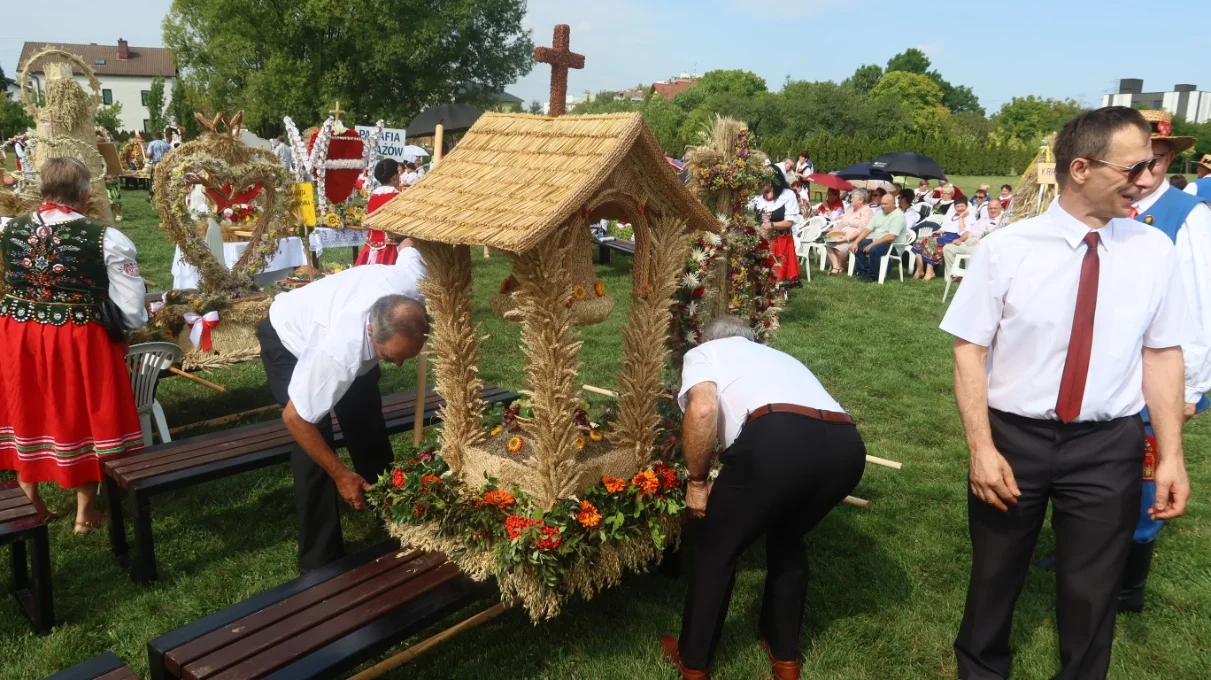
(1084, 313)
(321, 347)
(966, 243)
(790, 454)
(283, 152)
(1201, 187)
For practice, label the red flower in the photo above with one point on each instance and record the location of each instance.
(425, 456)
(551, 538)
(699, 292)
(515, 525)
(397, 478)
(501, 499)
(429, 479)
(418, 510)
(769, 261)
(668, 476)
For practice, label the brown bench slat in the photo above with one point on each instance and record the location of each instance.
(14, 514)
(122, 673)
(11, 490)
(141, 466)
(14, 502)
(200, 647)
(328, 630)
(292, 631)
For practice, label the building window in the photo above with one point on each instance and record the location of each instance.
(107, 97)
(146, 126)
(144, 94)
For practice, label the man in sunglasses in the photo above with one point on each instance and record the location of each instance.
(1186, 220)
(1088, 314)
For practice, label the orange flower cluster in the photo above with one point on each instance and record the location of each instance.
(429, 480)
(596, 435)
(397, 478)
(551, 539)
(578, 293)
(668, 476)
(501, 499)
(515, 525)
(588, 516)
(647, 481)
(614, 484)
(599, 288)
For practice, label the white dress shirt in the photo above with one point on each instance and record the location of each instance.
(126, 287)
(1191, 188)
(950, 222)
(787, 199)
(1194, 262)
(748, 376)
(1019, 299)
(325, 325)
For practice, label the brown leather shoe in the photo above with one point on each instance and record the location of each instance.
(668, 645)
(783, 670)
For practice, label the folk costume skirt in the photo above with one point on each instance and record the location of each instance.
(65, 402)
(379, 249)
(783, 250)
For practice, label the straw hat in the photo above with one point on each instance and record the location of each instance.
(1205, 161)
(1162, 128)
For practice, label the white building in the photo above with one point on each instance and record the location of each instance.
(1185, 100)
(125, 73)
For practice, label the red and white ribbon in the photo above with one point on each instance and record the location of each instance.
(199, 328)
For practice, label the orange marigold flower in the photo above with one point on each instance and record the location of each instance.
(599, 288)
(588, 516)
(647, 482)
(596, 435)
(496, 430)
(578, 293)
(501, 499)
(614, 484)
(515, 444)
(580, 442)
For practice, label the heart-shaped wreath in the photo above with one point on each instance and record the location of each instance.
(230, 172)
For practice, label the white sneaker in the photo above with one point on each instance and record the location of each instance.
(118, 218)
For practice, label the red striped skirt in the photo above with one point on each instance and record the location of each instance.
(65, 402)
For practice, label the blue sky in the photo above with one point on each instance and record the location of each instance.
(1080, 51)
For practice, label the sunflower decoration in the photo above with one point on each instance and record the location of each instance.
(515, 444)
(332, 220)
(578, 293)
(581, 443)
(599, 288)
(596, 436)
(496, 430)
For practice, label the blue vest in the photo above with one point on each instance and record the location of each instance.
(1204, 187)
(1168, 214)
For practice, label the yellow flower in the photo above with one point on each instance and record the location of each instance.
(596, 435)
(496, 430)
(515, 444)
(599, 288)
(332, 220)
(578, 293)
(580, 442)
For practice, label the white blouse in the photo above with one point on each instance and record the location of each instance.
(787, 199)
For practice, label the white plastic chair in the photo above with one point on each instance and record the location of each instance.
(816, 227)
(145, 361)
(957, 271)
(797, 234)
(901, 245)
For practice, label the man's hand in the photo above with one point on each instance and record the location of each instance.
(351, 485)
(696, 495)
(1172, 490)
(867, 248)
(992, 479)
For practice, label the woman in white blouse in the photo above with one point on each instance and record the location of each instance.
(777, 208)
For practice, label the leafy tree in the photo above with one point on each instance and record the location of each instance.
(1199, 131)
(380, 58)
(865, 78)
(1029, 119)
(713, 84)
(181, 109)
(535, 107)
(919, 94)
(911, 60)
(13, 118)
(155, 105)
(665, 120)
(108, 117)
(957, 98)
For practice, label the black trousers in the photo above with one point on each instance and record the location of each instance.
(360, 413)
(780, 478)
(1091, 474)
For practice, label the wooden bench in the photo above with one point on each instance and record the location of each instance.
(19, 523)
(320, 624)
(604, 246)
(104, 667)
(196, 460)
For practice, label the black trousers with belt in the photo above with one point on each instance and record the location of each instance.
(1091, 474)
(360, 413)
(780, 478)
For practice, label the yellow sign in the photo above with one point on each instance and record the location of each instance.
(1046, 173)
(304, 197)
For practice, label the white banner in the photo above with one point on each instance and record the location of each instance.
(390, 145)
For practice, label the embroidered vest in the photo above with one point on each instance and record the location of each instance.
(53, 273)
(1169, 214)
(1204, 188)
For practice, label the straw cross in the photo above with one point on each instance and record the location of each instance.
(336, 113)
(561, 59)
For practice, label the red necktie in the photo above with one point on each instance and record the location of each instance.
(1076, 365)
(1135, 212)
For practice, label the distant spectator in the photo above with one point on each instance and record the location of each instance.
(912, 218)
(19, 150)
(942, 186)
(1201, 186)
(410, 176)
(282, 151)
(787, 166)
(155, 153)
(876, 197)
(804, 166)
(979, 204)
(958, 222)
(947, 199)
(849, 230)
(885, 227)
(832, 207)
(922, 191)
(1179, 182)
(1006, 196)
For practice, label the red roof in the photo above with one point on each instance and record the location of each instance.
(141, 61)
(670, 90)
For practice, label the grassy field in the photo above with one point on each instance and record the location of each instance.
(888, 583)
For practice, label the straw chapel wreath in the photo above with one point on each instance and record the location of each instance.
(537, 495)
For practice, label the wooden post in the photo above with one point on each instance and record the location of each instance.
(438, 132)
(422, 375)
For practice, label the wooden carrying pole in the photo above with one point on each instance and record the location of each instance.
(422, 362)
(421, 647)
(206, 383)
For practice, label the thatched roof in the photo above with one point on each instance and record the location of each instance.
(514, 178)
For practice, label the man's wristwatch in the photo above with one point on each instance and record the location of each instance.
(700, 478)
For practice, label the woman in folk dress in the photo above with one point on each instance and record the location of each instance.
(380, 248)
(65, 396)
(928, 255)
(777, 207)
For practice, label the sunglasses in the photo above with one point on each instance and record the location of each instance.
(1133, 171)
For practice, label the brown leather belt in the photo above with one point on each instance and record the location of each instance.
(826, 416)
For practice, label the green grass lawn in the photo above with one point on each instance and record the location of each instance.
(888, 583)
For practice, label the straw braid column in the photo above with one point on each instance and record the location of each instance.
(454, 347)
(642, 265)
(645, 342)
(552, 362)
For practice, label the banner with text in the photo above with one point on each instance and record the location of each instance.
(390, 144)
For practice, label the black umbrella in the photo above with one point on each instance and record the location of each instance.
(909, 165)
(452, 118)
(863, 171)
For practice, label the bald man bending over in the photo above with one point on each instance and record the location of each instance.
(321, 347)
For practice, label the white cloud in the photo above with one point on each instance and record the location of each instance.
(933, 49)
